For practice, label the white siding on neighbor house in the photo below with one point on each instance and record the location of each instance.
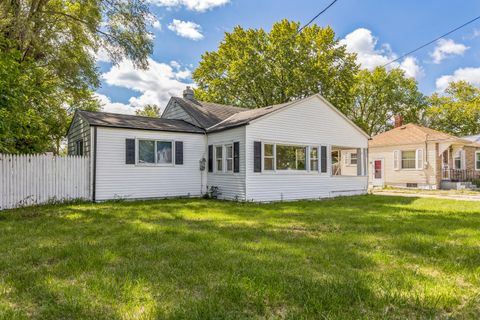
(115, 179)
(310, 122)
(426, 177)
(231, 185)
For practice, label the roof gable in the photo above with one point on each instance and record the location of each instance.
(409, 134)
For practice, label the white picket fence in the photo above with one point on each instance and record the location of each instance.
(35, 179)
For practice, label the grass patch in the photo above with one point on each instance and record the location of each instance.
(359, 257)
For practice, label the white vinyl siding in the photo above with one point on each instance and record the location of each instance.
(231, 185)
(115, 179)
(309, 123)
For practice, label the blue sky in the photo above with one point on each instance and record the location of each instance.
(377, 30)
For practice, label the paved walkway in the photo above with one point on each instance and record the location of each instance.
(467, 197)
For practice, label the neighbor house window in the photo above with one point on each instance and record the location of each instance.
(314, 159)
(408, 159)
(79, 147)
(290, 157)
(155, 152)
(219, 158)
(458, 160)
(268, 157)
(229, 157)
(353, 158)
(477, 160)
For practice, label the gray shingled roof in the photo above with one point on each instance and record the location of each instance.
(244, 117)
(207, 114)
(105, 119)
(474, 138)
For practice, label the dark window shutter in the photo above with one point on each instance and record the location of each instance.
(178, 152)
(210, 158)
(359, 162)
(257, 156)
(323, 159)
(236, 157)
(129, 151)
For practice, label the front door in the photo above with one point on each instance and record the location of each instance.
(378, 179)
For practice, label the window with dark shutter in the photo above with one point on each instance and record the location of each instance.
(236, 157)
(129, 151)
(210, 158)
(323, 159)
(178, 152)
(257, 156)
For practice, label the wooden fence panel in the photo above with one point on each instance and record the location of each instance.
(35, 179)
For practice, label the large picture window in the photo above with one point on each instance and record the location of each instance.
(290, 157)
(408, 159)
(155, 152)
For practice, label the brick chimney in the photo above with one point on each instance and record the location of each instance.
(398, 120)
(188, 93)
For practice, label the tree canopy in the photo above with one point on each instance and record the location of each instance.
(254, 68)
(51, 45)
(379, 95)
(149, 110)
(456, 111)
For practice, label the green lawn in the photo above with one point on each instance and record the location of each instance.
(360, 257)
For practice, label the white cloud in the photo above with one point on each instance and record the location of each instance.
(447, 48)
(156, 84)
(115, 107)
(362, 42)
(194, 5)
(471, 75)
(186, 29)
(156, 24)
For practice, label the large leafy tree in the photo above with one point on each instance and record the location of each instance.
(255, 68)
(149, 110)
(51, 44)
(379, 95)
(456, 110)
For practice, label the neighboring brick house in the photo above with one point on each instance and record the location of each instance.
(414, 156)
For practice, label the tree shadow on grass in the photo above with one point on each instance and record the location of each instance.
(171, 259)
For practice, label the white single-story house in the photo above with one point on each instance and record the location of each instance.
(304, 149)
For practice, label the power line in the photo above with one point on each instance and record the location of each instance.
(316, 16)
(430, 42)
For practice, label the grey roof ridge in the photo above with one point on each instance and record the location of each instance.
(249, 110)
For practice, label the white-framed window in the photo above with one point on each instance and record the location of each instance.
(290, 157)
(459, 160)
(268, 157)
(219, 158)
(477, 160)
(155, 152)
(314, 159)
(409, 159)
(229, 157)
(353, 158)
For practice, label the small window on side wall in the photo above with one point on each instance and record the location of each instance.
(219, 158)
(353, 159)
(229, 157)
(314, 159)
(146, 151)
(477, 160)
(268, 157)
